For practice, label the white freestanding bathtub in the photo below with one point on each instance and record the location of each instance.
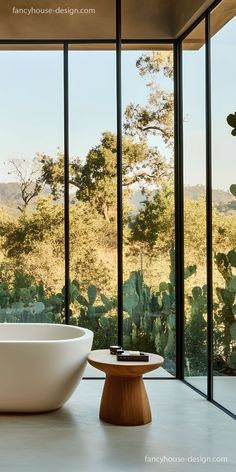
(40, 365)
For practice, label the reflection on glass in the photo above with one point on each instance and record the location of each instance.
(224, 214)
(32, 231)
(93, 240)
(195, 208)
(148, 197)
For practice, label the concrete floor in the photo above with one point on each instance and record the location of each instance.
(73, 439)
(224, 388)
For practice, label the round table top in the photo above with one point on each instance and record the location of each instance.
(103, 360)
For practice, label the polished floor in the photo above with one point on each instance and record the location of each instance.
(187, 433)
(224, 389)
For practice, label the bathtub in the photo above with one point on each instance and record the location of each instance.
(40, 365)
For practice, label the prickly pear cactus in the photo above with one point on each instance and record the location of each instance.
(97, 316)
(23, 301)
(196, 332)
(225, 309)
(139, 313)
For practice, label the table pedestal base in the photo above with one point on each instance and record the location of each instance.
(124, 401)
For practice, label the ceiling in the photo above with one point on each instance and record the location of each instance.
(141, 19)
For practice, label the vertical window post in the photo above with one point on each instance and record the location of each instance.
(209, 212)
(66, 183)
(119, 175)
(179, 210)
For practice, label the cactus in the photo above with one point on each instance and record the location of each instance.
(149, 316)
(164, 328)
(196, 333)
(96, 316)
(149, 323)
(225, 309)
(139, 316)
(24, 301)
(88, 303)
(137, 299)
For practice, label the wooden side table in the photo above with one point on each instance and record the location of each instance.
(124, 399)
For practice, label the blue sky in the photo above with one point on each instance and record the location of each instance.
(31, 101)
(223, 72)
(31, 104)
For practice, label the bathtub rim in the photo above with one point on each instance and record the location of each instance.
(87, 334)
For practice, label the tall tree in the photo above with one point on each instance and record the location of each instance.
(95, 178)
(28, 176)
(154, 222)
(156, 117)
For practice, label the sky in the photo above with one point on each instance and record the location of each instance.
(223, 90)
(31, 104)
(31, 101)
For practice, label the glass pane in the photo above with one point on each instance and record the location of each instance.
(224, 211)
(32, 220)
(93, 240)
(148, 196)
(195, 208)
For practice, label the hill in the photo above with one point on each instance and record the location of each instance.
(223, 201)
(10, 197)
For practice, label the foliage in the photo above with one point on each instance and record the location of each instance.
(154, 222)
(156, 117)
(155, 63)
(28, 176)
(94, 180)
(231, 120)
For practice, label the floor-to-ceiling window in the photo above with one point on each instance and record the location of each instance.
(148, 201)
(93, 193)
(32, 193)
(209, 143)
(223, 91)
(194, 159)
(32, 217)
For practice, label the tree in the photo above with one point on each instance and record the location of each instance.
(35, 241)
(156, 117)
(95, 179)
(28, 176)
(52, 173)
(155, 221)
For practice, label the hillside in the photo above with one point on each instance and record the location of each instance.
(10, 197)
(197, 191)
(9, 194)
(221, 200)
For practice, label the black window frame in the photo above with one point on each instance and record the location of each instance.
(178, 179)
